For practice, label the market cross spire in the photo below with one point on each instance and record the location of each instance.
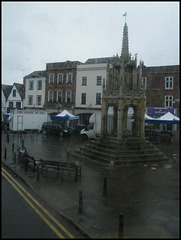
(125, 43)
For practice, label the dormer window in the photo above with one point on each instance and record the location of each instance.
(14, 93)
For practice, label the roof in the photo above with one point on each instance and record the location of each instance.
(162, 69)
(62, 65)
(41, 73)
(21, 89)
(99, 60)
(6, 90)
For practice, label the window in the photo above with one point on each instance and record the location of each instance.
(168, 101)
(60, 78)
(51, 78)
(144, 82)
(99, 80)
(14, 93)
(10, 104)
(38, 100)
(83, 98)
(50, 96)
(30, 100)
(168, 82)
(84, 81)
(98, 98)
(69, 78)
(59, 96)
(31, 84)
(18, 105)
(68, 96)
(39, 85)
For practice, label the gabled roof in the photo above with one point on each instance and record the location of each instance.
(6, 90)
(99, 60)
(21, 89)
(41, 73)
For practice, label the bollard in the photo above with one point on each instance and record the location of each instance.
(105, 187)
(26, 164)
(12, 147)
(121, 215)
(80, 202)
(22, 143)
(38, 174)
(5, 153)
(76, 174)
(7, 137)
(14, 158)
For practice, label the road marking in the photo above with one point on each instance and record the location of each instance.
(34, 208)
(39, 205)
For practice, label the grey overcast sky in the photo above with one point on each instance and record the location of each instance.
(36, 33)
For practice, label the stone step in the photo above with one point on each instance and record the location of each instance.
(130, 151)
(120, 156)
(122, 147)
(125, 162)
(131, 140)
(109, 142)
(117, 152)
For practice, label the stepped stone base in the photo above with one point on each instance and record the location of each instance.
(115, 151)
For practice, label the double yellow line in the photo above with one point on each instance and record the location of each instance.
(8, 177)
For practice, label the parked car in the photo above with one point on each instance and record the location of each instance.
(4, 126)
(166, 136)
(54, 128)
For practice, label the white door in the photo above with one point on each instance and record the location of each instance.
(20, 123)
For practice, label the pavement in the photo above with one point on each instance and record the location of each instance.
(145, 195)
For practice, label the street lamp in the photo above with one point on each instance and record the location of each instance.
(58, 106)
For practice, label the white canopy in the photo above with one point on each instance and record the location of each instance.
(65, 113)
(148, 117)
(166, 118)
(169, 117)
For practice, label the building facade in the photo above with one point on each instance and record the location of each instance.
(5, 91)
(16, 97)
(162, 87)
(35, 89)
(90, 78)
(61, 86)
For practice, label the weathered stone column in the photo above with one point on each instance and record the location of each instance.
(115, 116)
(104, 118)
(135, 123)
(142, 122)
(120, 123)
(125, 118)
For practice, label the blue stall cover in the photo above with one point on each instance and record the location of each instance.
(6, 115)
(65, 116)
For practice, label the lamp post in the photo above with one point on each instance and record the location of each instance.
(73, 108)
(58, 106)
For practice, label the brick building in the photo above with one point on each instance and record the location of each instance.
(162, 87)
(60, 86)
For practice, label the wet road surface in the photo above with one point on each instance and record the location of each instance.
(147, 194)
